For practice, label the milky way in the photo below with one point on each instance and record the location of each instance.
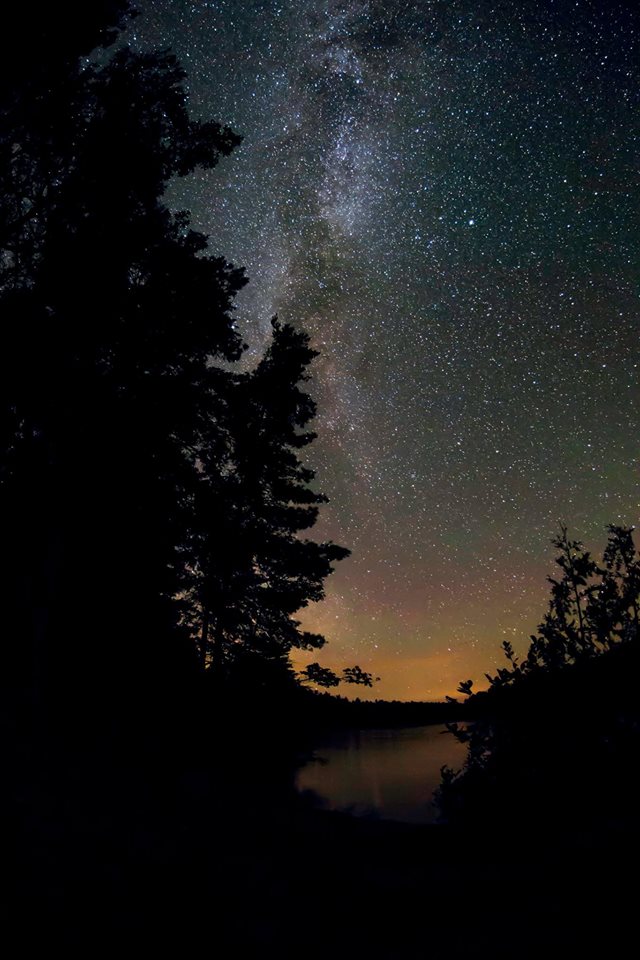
(445, 195)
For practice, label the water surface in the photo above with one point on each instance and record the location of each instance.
(390, 773)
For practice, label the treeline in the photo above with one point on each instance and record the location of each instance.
(554, 738)
(153, 499)
(329, 710)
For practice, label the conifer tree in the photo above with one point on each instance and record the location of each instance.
(112, 312)
(142, 485)
(253, 570)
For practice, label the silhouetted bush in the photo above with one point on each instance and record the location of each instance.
(554, 739)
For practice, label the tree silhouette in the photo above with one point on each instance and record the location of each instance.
(149, 495)
(325, 677)
(252, 571)
(321, 676)
(113, 311)
(614, 611)
(592, 607)
(524, 741)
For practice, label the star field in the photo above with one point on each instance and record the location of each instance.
(445, 195)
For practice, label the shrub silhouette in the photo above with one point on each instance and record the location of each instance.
(565, 716)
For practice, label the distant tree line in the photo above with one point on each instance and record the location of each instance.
(153, 500)
(327, 710)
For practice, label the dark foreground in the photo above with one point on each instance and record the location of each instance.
(112, 858)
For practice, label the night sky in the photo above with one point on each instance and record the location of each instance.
(445, 195)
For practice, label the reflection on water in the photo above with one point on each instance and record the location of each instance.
(389, 773)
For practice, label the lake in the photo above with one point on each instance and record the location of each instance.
(390, 774)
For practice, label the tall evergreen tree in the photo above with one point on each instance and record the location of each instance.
(252, 569)
(112, 312)
(133, 469)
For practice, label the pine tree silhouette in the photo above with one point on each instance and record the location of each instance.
(252, 568)
(113, 311)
